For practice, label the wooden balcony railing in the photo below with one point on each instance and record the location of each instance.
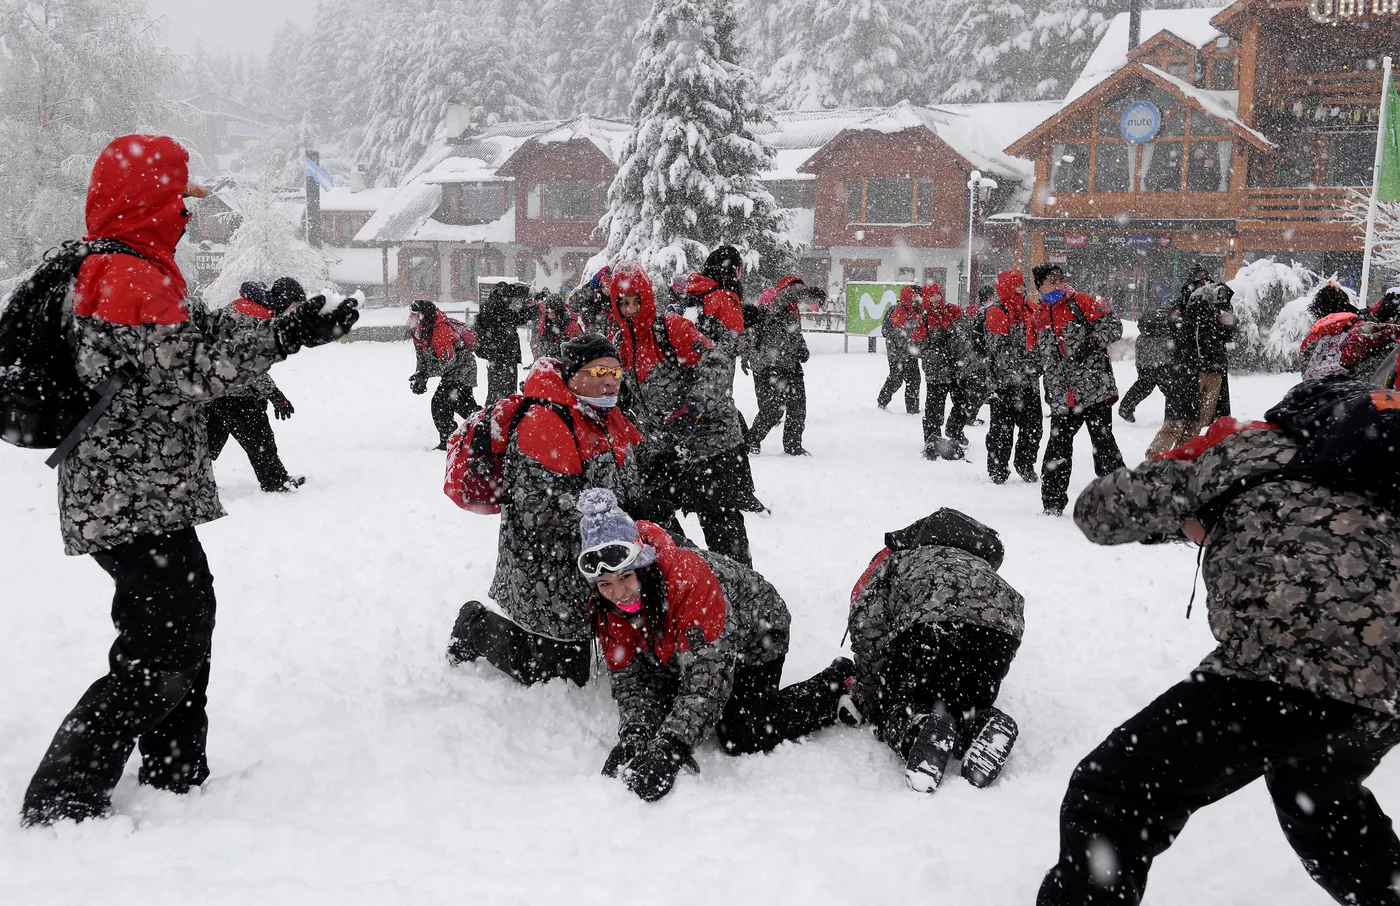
(1293, 205)
(1344, 88)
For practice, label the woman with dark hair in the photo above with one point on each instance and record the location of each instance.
(1320, 353)
(694, 641)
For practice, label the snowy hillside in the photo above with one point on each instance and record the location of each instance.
(352, 766)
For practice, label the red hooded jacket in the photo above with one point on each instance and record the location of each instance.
(720, 304)
(638, 347)
(694, 598)
(136, 196)
(543, 436)
(906, 311)
(938, 313)
(1014, 307)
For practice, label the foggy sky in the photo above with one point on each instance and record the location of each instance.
(231, 26)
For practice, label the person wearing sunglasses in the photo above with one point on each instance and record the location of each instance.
(572, 437)
(694, 641)
(680, 386)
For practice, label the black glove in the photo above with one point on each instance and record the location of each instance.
(418, 383)
(652, 773)
(282, 409)
(305, 326)
(621, 754)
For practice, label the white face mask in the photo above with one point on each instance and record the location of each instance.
(600, 402)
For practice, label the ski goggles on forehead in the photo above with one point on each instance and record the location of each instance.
(613, 557)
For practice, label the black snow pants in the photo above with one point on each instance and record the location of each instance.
(785, 397)
(759, 715)
(449, 400)
(1148, 379)
(1059, 452)
(246, 419)
(510, 648)
(1205, 739)
(953, 668)
(904, 370)
(502, 379)
(154, 690)
(935, 405)
(1016, 417)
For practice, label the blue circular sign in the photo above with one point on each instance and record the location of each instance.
(1140, 122)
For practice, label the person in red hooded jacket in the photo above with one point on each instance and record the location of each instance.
(1011, 328)
(443, 347)
(898, 326)
(680, 387)
(141, 479)
(946, 349)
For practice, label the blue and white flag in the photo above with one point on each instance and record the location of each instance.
(323, 179)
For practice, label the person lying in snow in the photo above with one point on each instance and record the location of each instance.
(933, 629)
(695, 641)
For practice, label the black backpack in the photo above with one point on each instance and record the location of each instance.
(1348, 433)
(950, 528)
(43, 404)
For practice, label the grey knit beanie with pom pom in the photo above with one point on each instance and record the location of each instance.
(603, 522)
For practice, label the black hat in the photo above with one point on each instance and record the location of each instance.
(254, 291)
(285, 293)
(1199, 274)
(422, 307)
(947, 527)
(579, 351)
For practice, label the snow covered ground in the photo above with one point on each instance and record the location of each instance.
(351, 765)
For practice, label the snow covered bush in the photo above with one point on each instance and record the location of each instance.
(1271, 302)
(688, 180)
(1385, 253)
(266, 245)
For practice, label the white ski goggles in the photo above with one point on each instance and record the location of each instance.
(612, 557)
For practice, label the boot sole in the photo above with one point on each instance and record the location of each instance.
(928, 756)
(989, 750)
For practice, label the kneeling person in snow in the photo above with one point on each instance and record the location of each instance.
(572, 437)
(933, 630)
(695, 640)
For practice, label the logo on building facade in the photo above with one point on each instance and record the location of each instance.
(1141, 120)
(1331, 12)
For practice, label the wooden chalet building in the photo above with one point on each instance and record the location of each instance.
(1226, 135)
(871, 193)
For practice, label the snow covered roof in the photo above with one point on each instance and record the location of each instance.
(1190, 25)
(501, 229)
(340, 199)
(409, 208)
(607, 136)
(1223, 105)
(978, 132)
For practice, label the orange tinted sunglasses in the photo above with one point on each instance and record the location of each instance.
(598, 371)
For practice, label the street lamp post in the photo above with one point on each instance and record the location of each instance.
(978, 188)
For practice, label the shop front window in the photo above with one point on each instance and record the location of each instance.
(1161, 167)
(1069, 168)
(1208, 169)
(1113, 167)
(1350, 158)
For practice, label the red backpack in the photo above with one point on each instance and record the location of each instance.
(476, 452)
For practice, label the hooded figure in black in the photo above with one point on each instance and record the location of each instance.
(243, 415)
(507, 307)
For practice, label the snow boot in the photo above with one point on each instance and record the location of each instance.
(797, 451)
(1126, 414)
(955, 448)
(934, 738)
(286, 486)
(463, 647)
(1029, 476)
(990, 747)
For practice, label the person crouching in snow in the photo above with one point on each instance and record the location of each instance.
(933, 629)
(443, 346)
(694, 640)
(571, 437)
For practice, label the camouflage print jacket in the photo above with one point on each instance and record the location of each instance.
(537, 582)
(144, 467)
(928, 584)
(1301, 581)
(263, 387)
(716, 617)
(1074, 353)
(718, 427)
(944, 344)
(1012, 357)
